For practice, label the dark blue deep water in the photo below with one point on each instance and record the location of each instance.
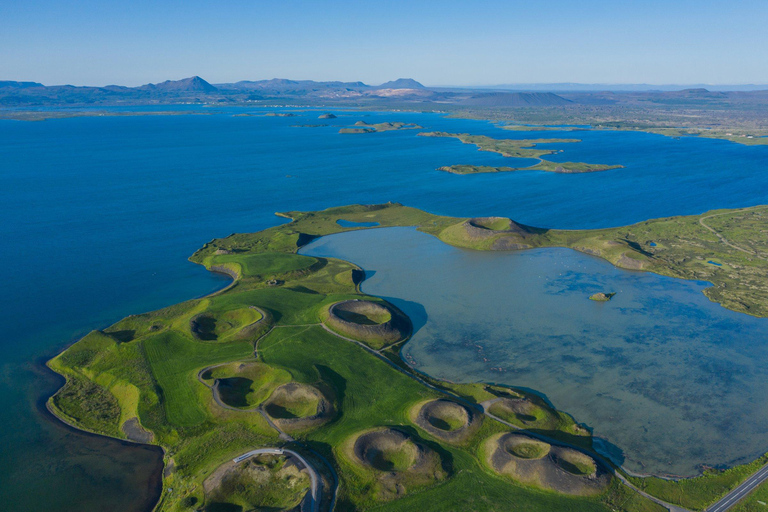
(98, 216)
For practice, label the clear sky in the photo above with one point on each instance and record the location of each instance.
(447, 42)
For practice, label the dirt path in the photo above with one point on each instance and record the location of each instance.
(723, 239)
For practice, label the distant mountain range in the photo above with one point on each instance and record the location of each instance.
(577, 87)
(195, 89)
(401, 91)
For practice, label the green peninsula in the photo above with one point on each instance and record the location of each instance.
(512, 148)
(292, 358)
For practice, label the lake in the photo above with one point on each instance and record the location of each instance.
(98, 216)
(667, 379)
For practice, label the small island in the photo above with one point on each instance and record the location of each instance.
(523, 148)
(543, 165)
(327, 116)
(602, 296)
(363, 127)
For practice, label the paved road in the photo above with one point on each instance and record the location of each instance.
(311, 502)
(740, 492)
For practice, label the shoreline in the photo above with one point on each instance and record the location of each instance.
(410, 370)
(48, 413)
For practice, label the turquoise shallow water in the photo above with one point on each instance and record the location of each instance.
(98, 216)
(667, 379)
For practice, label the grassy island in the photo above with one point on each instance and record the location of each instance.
(363, 127)
(735, 123)
(525, 148)
(259, 365)
(543, 165)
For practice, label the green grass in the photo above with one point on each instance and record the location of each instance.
(752, 503)
(542, 419)
(267, 483)
(700, 492)
(473, 488)
(267, 264)
(366, 318)
(220, 325)
(543, 165)
(89, 406)
(577, 464)
(512, 148)
(570, 167)
(395, 459)
(495, 224)
(363, 127)
(250, 383)
(175, 360)
(296, 405)
(447, 422)
(529, 450)
(146, 365)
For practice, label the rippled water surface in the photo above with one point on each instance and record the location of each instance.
(667, 377)
(98, 216)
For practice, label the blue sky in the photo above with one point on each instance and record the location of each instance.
(436, 42)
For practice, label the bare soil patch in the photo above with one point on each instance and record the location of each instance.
(136, 433)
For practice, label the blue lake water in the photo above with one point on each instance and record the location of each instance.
(352, 224)
(667, 377)
(98, 216)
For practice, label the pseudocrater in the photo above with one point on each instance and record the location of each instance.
(446, 419)
(400, 463)
(296, 406)
(658, 373)
(377, 324)
(540, 464)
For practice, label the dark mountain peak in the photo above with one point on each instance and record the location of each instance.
(191, 84)
(402, 83)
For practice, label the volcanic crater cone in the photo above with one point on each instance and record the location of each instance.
(377, 324)
(399, 462)
(298, 406)
(540, 464)
(513, 235)
(446, 419)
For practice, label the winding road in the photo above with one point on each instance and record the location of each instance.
(311, 502)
